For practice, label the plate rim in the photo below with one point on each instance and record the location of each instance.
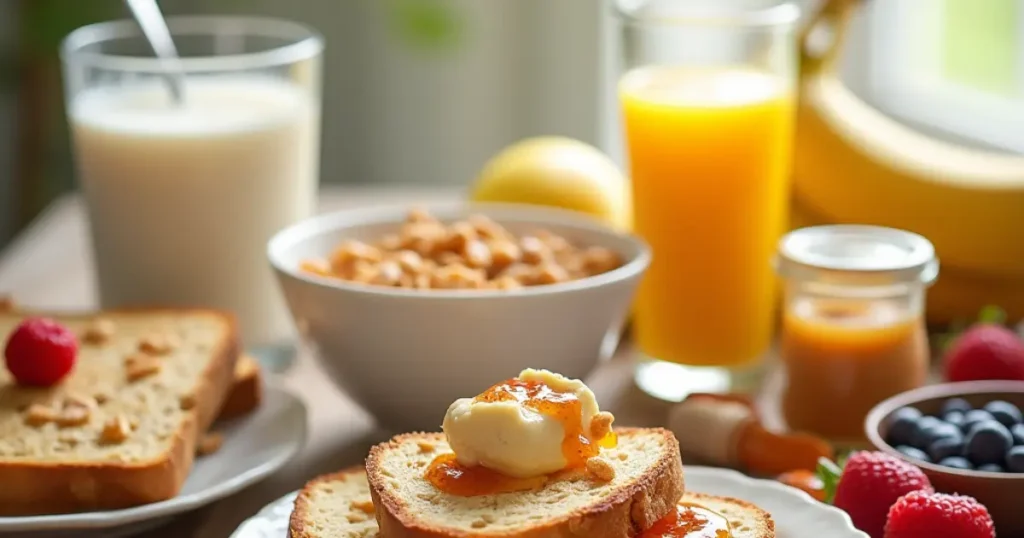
(781, 489)
(178, 504)
(716, 473)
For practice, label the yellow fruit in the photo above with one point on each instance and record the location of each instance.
(854, 165)
(557, 172)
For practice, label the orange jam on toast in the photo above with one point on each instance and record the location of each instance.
(449, 476)
(690, 521)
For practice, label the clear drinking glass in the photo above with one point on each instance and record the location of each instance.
(182, 197)
(708, 107)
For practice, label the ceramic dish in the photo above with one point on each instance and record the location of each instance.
(254, 447)
(405, 354)
(1001, 493)
(796, 514)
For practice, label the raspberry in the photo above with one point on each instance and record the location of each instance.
(871, 483)
(937, 515)
(40, 352)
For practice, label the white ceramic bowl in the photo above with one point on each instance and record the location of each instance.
(406, 355)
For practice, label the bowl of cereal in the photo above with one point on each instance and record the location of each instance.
(410, 309)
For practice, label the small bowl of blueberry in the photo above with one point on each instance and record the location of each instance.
(967, 437)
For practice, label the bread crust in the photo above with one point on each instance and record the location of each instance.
(246, 391)
(299, 522)
(631, 509)
(39, 488)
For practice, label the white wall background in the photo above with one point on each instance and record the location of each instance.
(399, 114)
(396, 114)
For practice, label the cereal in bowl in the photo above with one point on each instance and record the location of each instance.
(475, 253)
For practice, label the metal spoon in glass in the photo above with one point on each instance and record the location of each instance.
(147, 14)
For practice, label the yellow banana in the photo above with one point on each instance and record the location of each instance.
(852, 164)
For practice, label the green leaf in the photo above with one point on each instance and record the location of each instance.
(829, 472)
(428, 24)
(992, 314)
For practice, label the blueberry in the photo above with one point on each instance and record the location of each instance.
(974, 417)
(991, 468)
(1018, 434)
(955, 418)
(1015, 460)
(955, 404)
(901, 426)
(988, 443)
(956, 462)
(946, 447)
(1005, 412)
(922, 433)
(941, 431)
(913, 453)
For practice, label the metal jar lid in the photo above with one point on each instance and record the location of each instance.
(862, 249)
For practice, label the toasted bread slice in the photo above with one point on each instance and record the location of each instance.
(745, 519)
(647, 485)
(246, 390)
(337, 505)
(135, 443)
(334, 506)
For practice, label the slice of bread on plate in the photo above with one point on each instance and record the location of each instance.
(647, 484)
(338, 506)
(121, 429)
(745, 519)
(246, 390)
(334, 506)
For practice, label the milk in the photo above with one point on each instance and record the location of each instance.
(182, 200)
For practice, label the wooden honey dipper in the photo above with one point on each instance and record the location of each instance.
(726, 431)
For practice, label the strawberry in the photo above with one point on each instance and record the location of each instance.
(870, 483)
(987, 350)
(937, 515)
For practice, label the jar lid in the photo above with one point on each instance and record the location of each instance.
(860, 249)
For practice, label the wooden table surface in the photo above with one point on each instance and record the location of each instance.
(50, 265)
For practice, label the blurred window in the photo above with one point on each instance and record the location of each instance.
(952, 65)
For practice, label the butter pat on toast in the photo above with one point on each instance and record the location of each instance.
(647, 485)
(150, 383)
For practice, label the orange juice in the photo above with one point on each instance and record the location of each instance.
(843, 358)
(709, 152)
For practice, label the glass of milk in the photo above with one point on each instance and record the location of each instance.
(182, 198)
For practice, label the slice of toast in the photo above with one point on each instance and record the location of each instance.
(246, 392)
(338, 506)
(647, 485)
(334, 506)
(135, 444)
(745, 519)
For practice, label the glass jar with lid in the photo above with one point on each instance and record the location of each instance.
(853, 329)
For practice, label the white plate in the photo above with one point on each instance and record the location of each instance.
(796, 514)
(254, 447)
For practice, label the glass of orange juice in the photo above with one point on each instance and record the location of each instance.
(707, 100)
